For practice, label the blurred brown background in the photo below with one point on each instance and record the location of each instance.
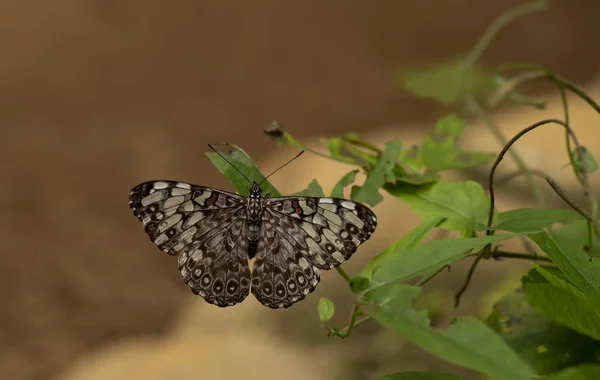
(99, 95)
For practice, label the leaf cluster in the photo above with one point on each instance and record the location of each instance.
(550, 326)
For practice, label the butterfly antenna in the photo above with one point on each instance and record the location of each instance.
(226, 160)
(281, 167)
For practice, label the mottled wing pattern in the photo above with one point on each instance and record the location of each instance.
(281, 275)
(302, 236)
(206, 228)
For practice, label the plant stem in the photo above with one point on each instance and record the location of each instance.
(506, 148)
(476, 108)
(348, 330)
(495, 27)
(495, 255)
(523, 256)
(562, 85)
(364, 144)
(579, 92)
(462, 290)
(343, 273)
(431, 276)
(510, 85)
(353, 323)
(345, 332)
(510, 176)
(567, 200)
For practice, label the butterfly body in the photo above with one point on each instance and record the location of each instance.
(254, 211)
(215, 233)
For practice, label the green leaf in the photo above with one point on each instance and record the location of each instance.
(583, 372)
(547, 346)
(576, 235)
(413, 375)
(464, 204)
(326, 309)
(464, 159)
(439, 146)
(369, 192)
(411, 158)
(244, 164)
(410, 240)
(313, 190)
(346, 180)
(468, 343)
(584, 160)
(342, 151)
(412, 179)
(406, 170)
(440, 150)
(571, 260)
(558, 279)
(527, 219)
(404, 264)
(562, 306)
(445, 82)
(353, 139)
(397, 297)
(359, 283)
(277, 133)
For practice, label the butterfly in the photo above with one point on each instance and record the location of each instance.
(215, 233)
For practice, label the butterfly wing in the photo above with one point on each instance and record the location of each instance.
(302, 236)
(206, 228)
(281, 275)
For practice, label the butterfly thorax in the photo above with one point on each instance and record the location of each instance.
(254, 212)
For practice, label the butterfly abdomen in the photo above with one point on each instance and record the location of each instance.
(252, 248)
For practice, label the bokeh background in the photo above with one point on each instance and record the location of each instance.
(99, 95)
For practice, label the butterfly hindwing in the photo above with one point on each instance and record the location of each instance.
(216, 266)
(300, 237)
(282, 275)
(206, 228)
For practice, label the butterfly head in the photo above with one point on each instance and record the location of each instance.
(255, 190)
